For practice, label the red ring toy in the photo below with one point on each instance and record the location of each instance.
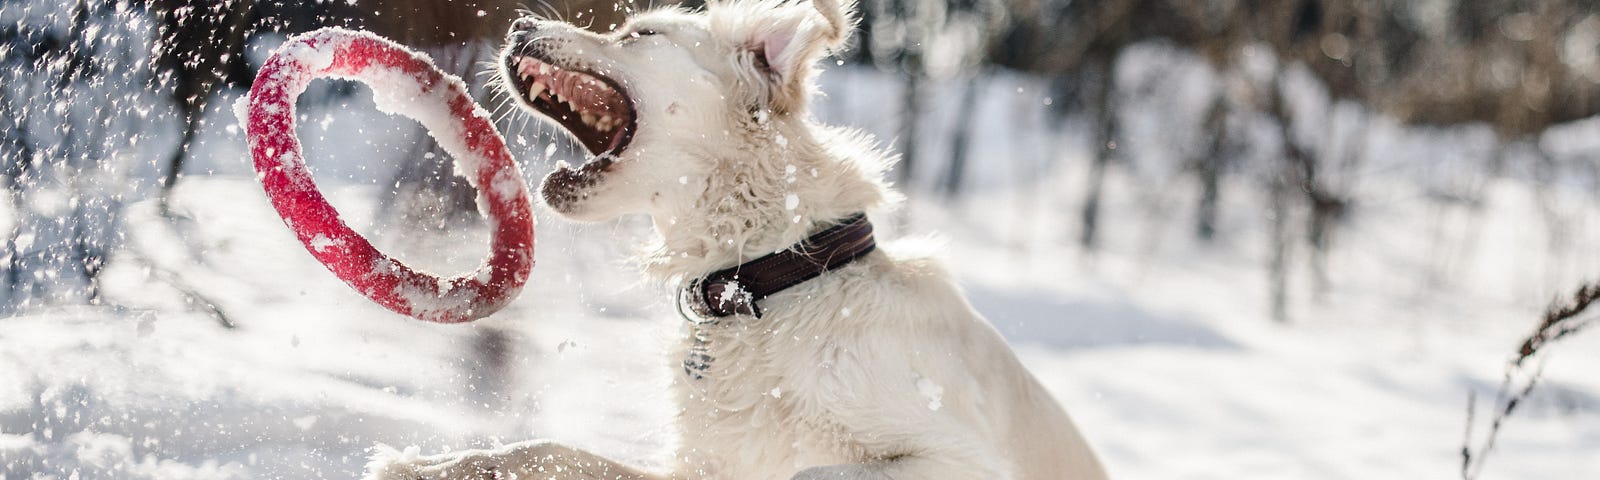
(406, 82)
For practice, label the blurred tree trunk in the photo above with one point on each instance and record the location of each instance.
(201, 46)
(1279, 249)
(1208, 167)
(1302, 172)
(1329, 196)
(1289, 175)
(488, 370)
(1325, 206)
(961, 136)
(910, 117)
(16, 150)
(62, 180)
(1102, 95)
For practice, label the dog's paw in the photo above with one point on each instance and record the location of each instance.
(390, 464)
(386, 463)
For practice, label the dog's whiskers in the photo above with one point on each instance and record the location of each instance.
(551, 12)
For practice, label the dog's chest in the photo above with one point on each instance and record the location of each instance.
(749, 414)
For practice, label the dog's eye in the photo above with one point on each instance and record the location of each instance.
(643, 32)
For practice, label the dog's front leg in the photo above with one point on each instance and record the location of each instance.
(532, 459)
(905, 467)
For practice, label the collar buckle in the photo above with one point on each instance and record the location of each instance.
(735, 291)
(711, 299)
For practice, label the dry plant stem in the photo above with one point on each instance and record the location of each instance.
(1466, 441)
(1472, 463)
(1560, 320)
(191, 295)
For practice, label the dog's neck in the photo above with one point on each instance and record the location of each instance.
(790, 180)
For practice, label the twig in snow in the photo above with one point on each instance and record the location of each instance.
(191, 295)
(1560, 321)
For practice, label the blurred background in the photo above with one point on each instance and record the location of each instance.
(1290, 236)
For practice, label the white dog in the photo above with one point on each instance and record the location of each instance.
(877, 368)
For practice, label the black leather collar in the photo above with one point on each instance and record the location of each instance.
(735, 291)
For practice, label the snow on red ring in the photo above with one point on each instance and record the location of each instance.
(407, 83)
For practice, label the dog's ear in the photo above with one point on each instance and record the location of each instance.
(788, 40)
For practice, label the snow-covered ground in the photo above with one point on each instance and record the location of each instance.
(1169, 364)
(1161, 347)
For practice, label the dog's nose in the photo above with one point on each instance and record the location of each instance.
(524, 24)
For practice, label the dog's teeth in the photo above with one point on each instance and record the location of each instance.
(607, 120)
(535, 89)
(544, 69)
(588, 119)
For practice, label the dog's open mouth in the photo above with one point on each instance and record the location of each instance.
(593, 108)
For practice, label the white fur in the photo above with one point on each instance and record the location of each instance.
(878, 370)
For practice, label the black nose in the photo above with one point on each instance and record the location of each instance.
(524, 24)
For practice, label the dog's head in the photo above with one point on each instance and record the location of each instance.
(654, 98)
